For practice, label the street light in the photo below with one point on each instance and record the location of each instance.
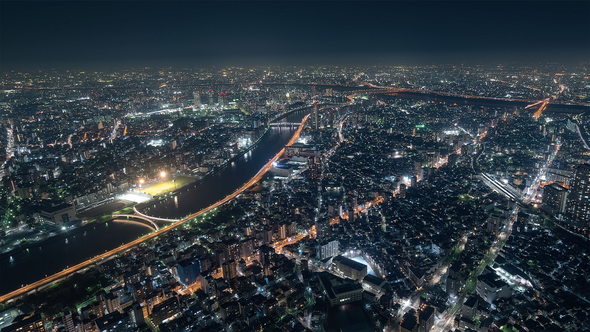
(162, 174)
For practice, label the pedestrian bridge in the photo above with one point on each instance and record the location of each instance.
(136, 218)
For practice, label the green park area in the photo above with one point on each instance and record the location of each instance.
(167, 186)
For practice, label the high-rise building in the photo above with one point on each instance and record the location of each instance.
(454, 279)
(409, 323)
(136, 315)
(68, 322)
(197, 99)
(554, 198)
(327, 249)
(578, 201)
(229, 270)
(233, 248)
(165, 310)
(418, 168)
(349, 268)
(469, 309)
(247, 247)
(114, 322)
(495, 223)
(426, 318)
(187, 271)
(265, 254)
(322, 228)
(402, 190)
(283, 231)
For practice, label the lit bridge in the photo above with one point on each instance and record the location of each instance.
(284, 124)
(136, 218)
(31, 288)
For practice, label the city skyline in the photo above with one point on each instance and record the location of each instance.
(245, 166)
(107, 35)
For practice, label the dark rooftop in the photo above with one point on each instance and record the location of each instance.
(350, 263)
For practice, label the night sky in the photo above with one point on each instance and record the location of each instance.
(92, 35)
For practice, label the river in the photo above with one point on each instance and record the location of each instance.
(49, 257)
(53, 256)
(225, 181)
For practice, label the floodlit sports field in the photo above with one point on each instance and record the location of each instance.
(166, 186)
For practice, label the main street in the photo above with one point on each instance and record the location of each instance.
(97, 259)
(470, 284)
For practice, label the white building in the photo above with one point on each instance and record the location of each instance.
(490, 287)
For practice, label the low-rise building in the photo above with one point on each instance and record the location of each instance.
(490, 287)
(373, 284)
(29, 324)
(350, 268)
(340, 291)
(58, 215)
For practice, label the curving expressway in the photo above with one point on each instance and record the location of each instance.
(28, 288)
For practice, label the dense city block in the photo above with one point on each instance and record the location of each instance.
(329, 198)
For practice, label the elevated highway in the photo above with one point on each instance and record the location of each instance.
(127, 246)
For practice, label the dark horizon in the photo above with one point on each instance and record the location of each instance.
(108, 35)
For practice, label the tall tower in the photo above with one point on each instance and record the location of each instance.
(578, 202)
(197, 99)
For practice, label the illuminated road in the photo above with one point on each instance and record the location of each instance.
(10, 148)
(115, 129)
(279, 245)
(444, 324)
(531, 191)
(545, 102)
(386, 90)
(541, 108)
(155, 234)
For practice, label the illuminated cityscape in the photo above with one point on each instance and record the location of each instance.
(303, 187)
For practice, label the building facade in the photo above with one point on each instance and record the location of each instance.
(555, 198)
(578, 203)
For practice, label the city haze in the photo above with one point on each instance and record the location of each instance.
(107, 35)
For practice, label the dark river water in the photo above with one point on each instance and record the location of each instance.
(225, 181)
(34, 263)
(30, 265)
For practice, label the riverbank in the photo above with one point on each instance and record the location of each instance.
(105, 216)
(241, 154)
(53, 238)
(216, 185)
(486, 102)
(23, 269)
